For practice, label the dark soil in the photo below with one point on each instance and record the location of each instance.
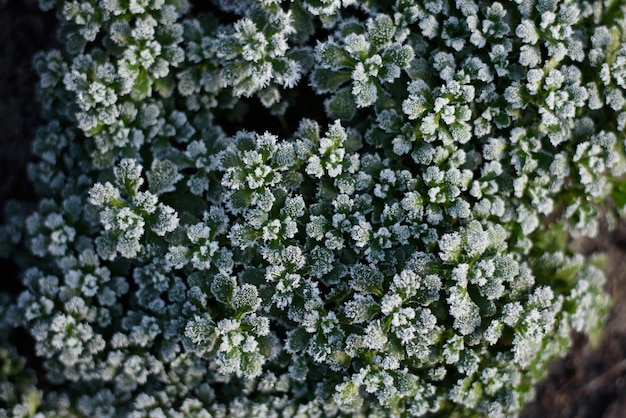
(589, 383)
(24, 30)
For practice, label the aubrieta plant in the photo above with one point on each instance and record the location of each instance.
(312, 208)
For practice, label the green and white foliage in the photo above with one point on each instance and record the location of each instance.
(366, 57)
(127, 212)
(391, 242)
(256, 55)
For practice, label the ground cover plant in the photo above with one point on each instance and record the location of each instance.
(301, 208)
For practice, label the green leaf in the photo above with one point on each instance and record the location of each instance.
(246, 298)
(619, 195)
(71, 38)
(142, 87)
(241, 199)
(366, 279)
(325, 80)
(381, 31)
(297, 340)
(341, 105)
(223, 287)
(302, 22)
(292, 179)
(163, 176)
(165, 86)
(333, 56)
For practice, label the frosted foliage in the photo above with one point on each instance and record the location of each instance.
(312, 208)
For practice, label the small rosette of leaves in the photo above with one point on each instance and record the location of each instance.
(366, 57)
(126, 213)
(255, 56)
